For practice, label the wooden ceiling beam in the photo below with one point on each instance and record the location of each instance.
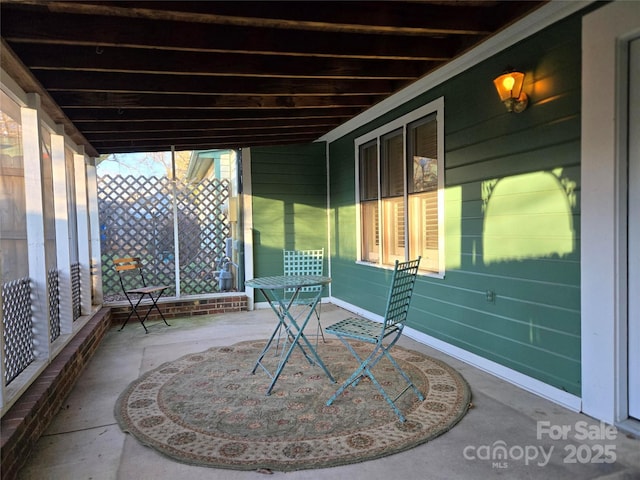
(75, 100)
(200, 132)
(128, 115)
(224, 142)
(228, 143)
(243, 86)
(209, 134)
(107, 127)
(137, 60)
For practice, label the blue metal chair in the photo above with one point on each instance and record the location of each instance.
(369, 331)
(304, 262)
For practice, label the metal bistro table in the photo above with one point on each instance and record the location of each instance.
(270, 288)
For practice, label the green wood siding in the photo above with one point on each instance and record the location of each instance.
(289, 196)
(512, 208)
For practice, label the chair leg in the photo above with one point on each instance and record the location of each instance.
(405, 376)
(155, 304)
(388, 399)
(410, 385)
(280, 328)
(127, 320)
(354, 378)
(365, 369)
(278, 309)
(134, 309)
(319, 332)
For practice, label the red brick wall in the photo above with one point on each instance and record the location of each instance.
(183, 308)
(30, 416)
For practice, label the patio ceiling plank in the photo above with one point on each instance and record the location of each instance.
(205, 85)
(153, 100)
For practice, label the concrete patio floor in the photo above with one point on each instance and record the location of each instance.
(85, 442)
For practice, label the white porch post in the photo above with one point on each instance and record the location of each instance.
(35, 227)
(82, 209)
(94, 229)
(62, 231)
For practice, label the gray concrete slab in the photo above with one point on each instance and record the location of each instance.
(85, 442)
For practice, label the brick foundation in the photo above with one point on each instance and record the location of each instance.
(24, 423)
(182, 308)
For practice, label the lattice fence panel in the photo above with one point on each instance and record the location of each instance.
(17, 332)
(76, 291)
(136, 219)
(203, 228)
(53, 290)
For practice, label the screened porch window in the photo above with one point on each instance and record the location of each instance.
(400, 175)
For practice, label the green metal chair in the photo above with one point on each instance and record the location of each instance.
(376, 333)
(305, 262)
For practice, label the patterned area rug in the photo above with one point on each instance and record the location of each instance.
(208, 409)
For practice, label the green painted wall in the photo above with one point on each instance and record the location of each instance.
(289, 197)
(512, 208)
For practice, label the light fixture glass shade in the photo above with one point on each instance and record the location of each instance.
(509, 87)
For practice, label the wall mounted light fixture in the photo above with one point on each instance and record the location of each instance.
(509, 87)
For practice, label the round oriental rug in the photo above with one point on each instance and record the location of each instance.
(208, 409)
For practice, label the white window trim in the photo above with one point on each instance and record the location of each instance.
(436, 106)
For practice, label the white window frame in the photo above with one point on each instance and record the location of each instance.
(435, 107)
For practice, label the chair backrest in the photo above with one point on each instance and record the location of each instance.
(128, 267)
(303, 262)
(402, 283)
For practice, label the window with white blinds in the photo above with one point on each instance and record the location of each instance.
(400, 185)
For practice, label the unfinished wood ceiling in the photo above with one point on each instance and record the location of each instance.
(142, 76)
